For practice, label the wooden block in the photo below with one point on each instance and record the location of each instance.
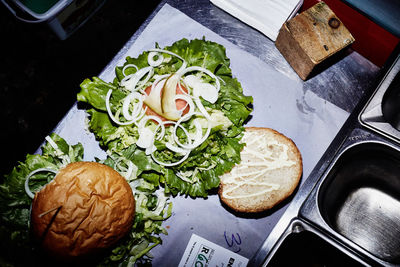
(311, 37)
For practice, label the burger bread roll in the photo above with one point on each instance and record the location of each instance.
(86, 208)
(269, 172)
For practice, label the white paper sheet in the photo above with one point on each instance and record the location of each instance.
(267, 16)
(279, 103)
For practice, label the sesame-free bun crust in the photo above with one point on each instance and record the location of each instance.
(270, 170)
(86, 208)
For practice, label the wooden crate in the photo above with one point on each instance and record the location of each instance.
(312, 37)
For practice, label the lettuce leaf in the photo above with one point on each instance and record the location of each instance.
(15, 206)
(15, 203)
(218, 154)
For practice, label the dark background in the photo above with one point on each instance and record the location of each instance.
(40, 74)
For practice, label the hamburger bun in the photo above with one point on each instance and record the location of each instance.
(86, 208)
(270, 170)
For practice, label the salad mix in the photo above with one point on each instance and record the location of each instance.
(179, 105)
(152, 207)
(171, 123)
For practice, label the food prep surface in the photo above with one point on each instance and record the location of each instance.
(309, 112)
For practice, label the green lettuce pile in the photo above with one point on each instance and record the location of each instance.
(152, 183)
(215, 156)
(17, 247)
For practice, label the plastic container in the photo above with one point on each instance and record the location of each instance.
(64, 17)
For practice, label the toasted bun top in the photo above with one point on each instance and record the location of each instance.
(269, 172)
(86, 208)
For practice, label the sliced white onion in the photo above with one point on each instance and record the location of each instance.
(143, 122)
(126, 171)
(199, 138)
(175, 136)
(184, 64)
(184, 130)
(153, 99)
(189, 102)
(152, 62)
(52, 143)
(149, 75)
(202, 108)
(199, 132)
(206, 90)
(161, 201)
(206, 71)
(166, 52)
(186, 86)
(27, 190)
(150, 149)
(176, 149)
(59, 153)
(130, 82)
(110, 114)
(137, 106)
(129, 66)
(184, 178)
(146, 136)
(173, 148)
(182, 68)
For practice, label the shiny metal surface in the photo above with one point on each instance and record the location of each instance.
(390, 103)
(356, 202)
(352, 195)
(370, 218)
(309, 247)
(359, 198)
(382, 113)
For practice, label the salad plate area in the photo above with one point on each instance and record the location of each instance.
(344, 121)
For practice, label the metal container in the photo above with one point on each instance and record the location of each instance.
(382, 112)
(352, 202)
(354, 208)
(64, 17)
(357, 201)
(360, 198)
(308, 247)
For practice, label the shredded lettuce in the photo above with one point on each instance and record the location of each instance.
(15, 203)
(218, 154)
(152, 206)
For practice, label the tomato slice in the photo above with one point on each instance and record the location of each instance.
(180, 103)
